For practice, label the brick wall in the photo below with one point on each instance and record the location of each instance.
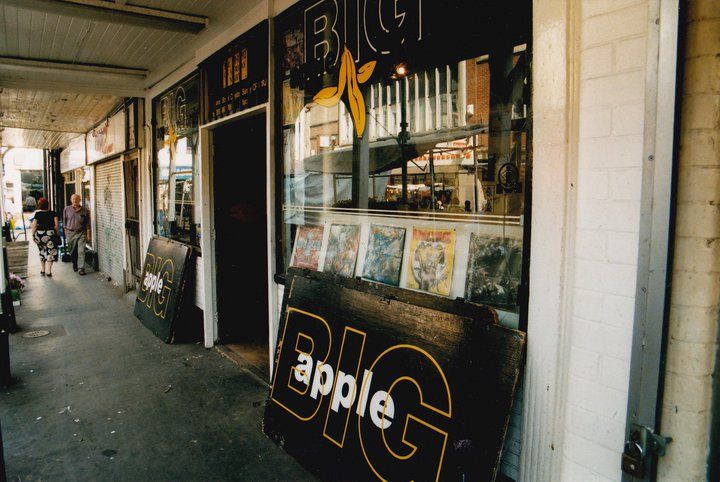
(610, 149)
(696, 276)
(478, 90)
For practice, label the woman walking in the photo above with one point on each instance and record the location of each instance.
(45, 234)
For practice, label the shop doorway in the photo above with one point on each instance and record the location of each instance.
(132, 217)
(240, 188)
(69, 191)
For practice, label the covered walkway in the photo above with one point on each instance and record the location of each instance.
(100, 398)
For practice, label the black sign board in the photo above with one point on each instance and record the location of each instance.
(236, 77)
(372, 382)
(162, 286)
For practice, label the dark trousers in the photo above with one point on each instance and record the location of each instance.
(74, 256)
(76, 243)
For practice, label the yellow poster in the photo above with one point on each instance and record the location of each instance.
(229, 71)
(430, 265)
(244, 63)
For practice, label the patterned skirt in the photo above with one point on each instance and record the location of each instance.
(46, 244)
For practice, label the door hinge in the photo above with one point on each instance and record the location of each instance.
(642, 448)
(213, 234)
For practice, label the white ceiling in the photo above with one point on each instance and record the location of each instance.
(33, 118)
(56, 99)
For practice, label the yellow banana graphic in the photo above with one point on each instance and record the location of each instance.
(351, 78)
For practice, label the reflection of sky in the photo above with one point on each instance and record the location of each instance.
(183, 155)
(164, 158)
(183, 158)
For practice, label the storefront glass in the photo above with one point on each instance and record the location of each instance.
(406, 155)
(32, 188)
(175, 127)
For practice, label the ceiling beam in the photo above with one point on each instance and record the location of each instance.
(117, 12)
(126, 89)
(20, 63)
(2, 127)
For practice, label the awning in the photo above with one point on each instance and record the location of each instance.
(386, 153)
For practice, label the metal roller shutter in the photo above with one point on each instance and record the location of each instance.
(109, 219)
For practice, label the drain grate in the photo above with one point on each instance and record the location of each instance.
(36, 334)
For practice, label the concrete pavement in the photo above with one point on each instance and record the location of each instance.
(101, 398)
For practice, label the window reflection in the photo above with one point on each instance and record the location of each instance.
(460, 162)
(176, 139)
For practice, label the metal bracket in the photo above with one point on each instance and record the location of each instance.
(642, 445)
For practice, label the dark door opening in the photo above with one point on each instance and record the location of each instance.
(132, 216)
(240, 187)
(69, 191)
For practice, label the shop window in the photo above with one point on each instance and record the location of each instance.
(69, 186)
(175, 127)
(440, 171)
(32, 187)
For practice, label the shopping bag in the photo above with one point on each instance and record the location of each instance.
(66, 256)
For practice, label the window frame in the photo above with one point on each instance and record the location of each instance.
(154, 164)
(282, 264)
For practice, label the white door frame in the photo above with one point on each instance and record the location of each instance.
(207, 196)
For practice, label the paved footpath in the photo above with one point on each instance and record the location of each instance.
(101, 398)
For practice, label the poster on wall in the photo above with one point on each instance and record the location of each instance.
(162, 287)
(384, 254)
(107, 139)
(293, 103)
(236, 76)
(371, 386)
(494, 271)
(308, 242)
(430, 266)
(342, 249)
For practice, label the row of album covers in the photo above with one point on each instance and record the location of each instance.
(493, 268)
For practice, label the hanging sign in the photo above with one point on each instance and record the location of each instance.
(159, 298)
(236, 77)
(106, 139)
(372, 382)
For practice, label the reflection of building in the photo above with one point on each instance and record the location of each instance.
(448, 112)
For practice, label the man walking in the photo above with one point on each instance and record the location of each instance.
(76, 222)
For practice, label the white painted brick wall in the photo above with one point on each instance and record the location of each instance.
(612, 86)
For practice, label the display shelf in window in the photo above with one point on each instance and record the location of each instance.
(342, 250)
